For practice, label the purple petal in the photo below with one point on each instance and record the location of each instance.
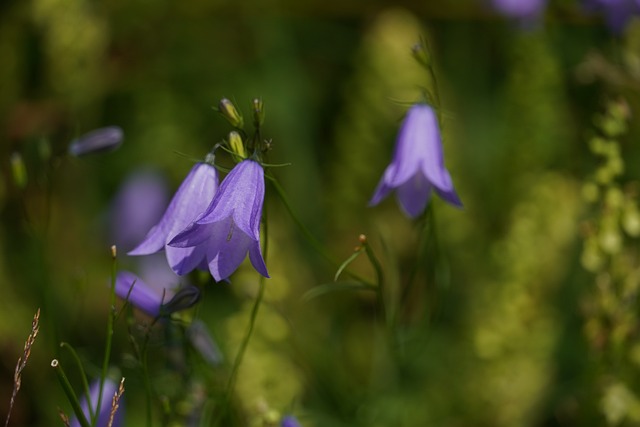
(383, 189)
(184, 260)
(414, 194)
(290, 421)
(103, 139)
(255, 256)
(225, 254)
(139, 294)
(240, 196)
(190, 201)
(137, 207)
(108, 390)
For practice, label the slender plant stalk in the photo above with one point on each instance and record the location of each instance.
(85, 383)
(71, 395)
(110, 318)
(317, 246)
(252, 322)
(377, 267)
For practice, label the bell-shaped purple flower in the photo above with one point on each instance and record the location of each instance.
(96, 141)
(616, 12)
(137, 207)
(522, 10)
(190, 201)
(154, 301)
(230, 227)
(104, 412)
(290, 421)
(417, 166)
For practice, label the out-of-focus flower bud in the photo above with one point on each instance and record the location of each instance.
(229, 112)
(103, 139)
(186, 297)
(236, 144)
(257, 106)
(421, 54)
(18, 170)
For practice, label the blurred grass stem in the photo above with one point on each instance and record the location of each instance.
(71, 395)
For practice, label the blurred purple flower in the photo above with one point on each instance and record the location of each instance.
(137, 207)
(616, 12)
(103, 139)
(202, 341)
(104, 411)
(417, 166)
(192, 198)
(230, 227)
(153, 300)
(523, 10)
(290, 421)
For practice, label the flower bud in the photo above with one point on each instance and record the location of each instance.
(421, 54)
(229, 112)
(186, 297)
(257, 107)
(103, 139)
(236, 144)
(19, 171)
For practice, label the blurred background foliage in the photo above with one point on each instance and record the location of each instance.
(520, 310)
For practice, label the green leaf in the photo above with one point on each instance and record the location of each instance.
(327, 288)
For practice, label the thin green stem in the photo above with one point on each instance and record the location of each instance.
(85, 383)
(252, 322)
(315, 244)
(110, 318)
(379, 279)
(71, 395)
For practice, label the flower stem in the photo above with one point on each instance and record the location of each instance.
(71, 395)
(85, 383)
(252, 322)
(110, 318)
(315, 244)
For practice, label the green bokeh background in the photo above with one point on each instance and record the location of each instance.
(496, 328)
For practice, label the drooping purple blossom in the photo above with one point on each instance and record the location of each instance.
(203, 342)
(138, 206)
(290, 421)
(521, 10)
(104, 412)
(617, 13)
(417, 167)
(96, 141)
(230, 227)
(190, 201)
(153, 300)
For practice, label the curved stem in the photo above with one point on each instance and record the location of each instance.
(315, 244)
(107, 349)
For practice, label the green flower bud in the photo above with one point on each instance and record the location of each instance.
(229, 112)
(421, 54)
(19, 171)
(258, 112)
(236, 144)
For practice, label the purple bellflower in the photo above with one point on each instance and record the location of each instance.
(137, 207)
(154, 301)
(192, 198)
(417, 167)
(616, 12)
(104, 412)
(103, 139)
(522, 10)
(230, 227)
(290, 421)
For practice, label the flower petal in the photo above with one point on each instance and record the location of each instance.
(226, 253)
(131, 288)
(191, 200)
(414, 194)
